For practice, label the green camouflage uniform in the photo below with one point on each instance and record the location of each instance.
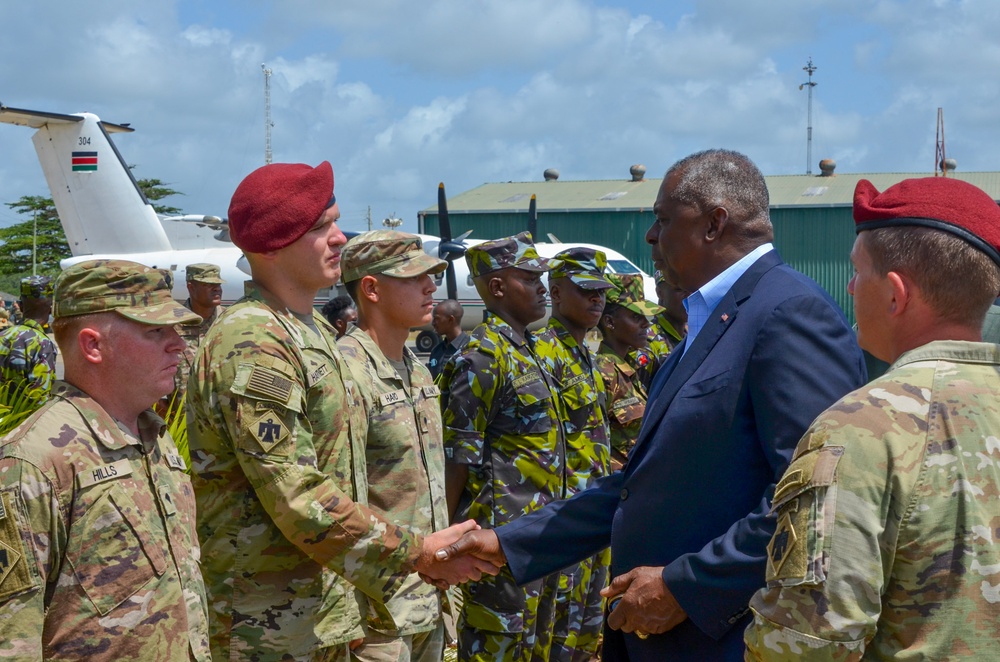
(403, 449)
(627, 380)
(500, 420)
(279, 476)
(98, 551)
(202, 272)
(888, 515)
(581, 403)
(28, 355)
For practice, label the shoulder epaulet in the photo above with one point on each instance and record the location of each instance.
(481, 340)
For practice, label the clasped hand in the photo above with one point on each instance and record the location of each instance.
(645, 605)
(447, 559)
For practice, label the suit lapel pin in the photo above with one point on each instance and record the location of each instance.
(725, 316)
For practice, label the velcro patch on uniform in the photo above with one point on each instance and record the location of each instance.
(268, 429)
(269, 384)
(105, 472)
(15, 576)
(784, 550)
(527, 378)
(392, 397)
(167, 500)
(176, 461)
(574, 380)
(431, 391)
(627, 402)
(318, 374)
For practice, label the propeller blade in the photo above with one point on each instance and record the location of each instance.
(447, 248)
(533, 217)
(444, 224)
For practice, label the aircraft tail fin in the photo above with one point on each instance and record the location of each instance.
(100, 205)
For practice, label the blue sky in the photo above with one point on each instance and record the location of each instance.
(401, 95)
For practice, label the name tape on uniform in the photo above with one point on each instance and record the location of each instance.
(392, 397)
(112, 471)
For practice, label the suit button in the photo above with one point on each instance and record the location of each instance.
(624, 494)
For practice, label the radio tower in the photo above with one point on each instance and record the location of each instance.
(809, 69)
(267, 114)
(939, 156)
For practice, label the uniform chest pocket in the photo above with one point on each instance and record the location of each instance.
(628, 410)
(580, 401)
(112, 550)
(532, 406)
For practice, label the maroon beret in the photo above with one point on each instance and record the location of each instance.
(278, 203)
(941, 203)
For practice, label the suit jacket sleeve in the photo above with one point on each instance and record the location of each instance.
(805, 358)
(562, 533)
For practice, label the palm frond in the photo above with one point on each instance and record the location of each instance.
(17, 403)
(176, 419)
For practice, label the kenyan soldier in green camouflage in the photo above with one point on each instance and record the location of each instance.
(504, 445)
(387, 274)
(205, 299)
(27, 355)
(624, 325)
(275, 425)
(577, 286)
(98, 551)
(887, 517)
(669, 327)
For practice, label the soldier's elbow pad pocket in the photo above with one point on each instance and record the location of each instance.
(112, 552)
(804, 503)
(18, 565)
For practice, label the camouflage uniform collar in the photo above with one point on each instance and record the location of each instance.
(955, 351)
(207, 321)
(561, 332)
(254, 291)
(620, 364)
(499, 325)
(383, 368)
(32, 324)
(106, 429)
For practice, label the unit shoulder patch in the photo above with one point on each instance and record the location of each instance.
(15, 575)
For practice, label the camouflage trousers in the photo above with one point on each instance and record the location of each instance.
(579, 610)
(503, 622)
(420, 647)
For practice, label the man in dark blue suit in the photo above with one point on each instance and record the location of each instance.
(687, 519)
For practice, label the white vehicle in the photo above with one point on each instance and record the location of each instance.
(106, 215)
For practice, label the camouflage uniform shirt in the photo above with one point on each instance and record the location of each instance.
(192, 335)
(98, 551)
(27, 353)
(888, 515)
(405, 462)
(626, 400)
(500, 419)
(279, 476)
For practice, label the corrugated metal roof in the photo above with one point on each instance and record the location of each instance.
(614, 195)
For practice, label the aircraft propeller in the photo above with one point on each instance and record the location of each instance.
(450, 248)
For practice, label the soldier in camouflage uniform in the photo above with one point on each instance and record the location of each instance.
(387, 274)
(275, 427)
(27, 355)
(624, 325)
(204, 286)
(577, 286)
(887, 517)
(668, 328)
(504, 445)
(98, 551)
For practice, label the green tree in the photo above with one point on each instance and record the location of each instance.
(16, 240)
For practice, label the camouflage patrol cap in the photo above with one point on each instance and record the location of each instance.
(584, 266)
(204, 272)
(517, 251)
(36, 287)
(390, 252)
(132, 290)
(628, 293)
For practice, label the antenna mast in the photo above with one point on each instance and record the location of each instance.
(809, 69)
(939, 156)
(267, 114)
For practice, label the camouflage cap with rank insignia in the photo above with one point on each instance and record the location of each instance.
(627, 292)
(517, 251)
(204, 272)
(130, 289)
(584, 266)
(36, 287)
(390, 252)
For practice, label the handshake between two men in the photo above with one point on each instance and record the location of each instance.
(640, 600)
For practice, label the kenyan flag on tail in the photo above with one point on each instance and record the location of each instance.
(84, 161)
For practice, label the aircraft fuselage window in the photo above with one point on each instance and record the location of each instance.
(623, 267)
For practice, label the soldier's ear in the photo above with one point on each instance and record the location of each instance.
(368, 287)
(497, 287)
(91, 344)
